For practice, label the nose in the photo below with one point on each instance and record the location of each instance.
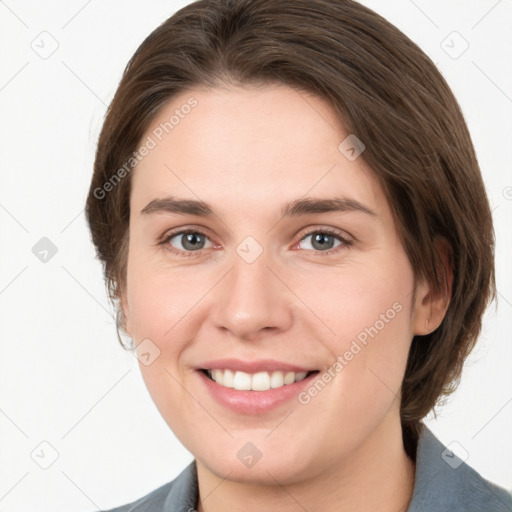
(253, 300)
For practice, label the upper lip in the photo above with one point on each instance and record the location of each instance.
(261, 365)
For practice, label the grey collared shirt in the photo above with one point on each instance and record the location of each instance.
(443, 483)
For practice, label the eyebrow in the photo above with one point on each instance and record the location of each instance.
(295, 208)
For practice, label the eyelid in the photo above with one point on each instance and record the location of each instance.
(182, 230)
(340, 233)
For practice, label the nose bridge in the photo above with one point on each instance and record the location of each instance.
(252, 298)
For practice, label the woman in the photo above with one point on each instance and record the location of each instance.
(295, 231)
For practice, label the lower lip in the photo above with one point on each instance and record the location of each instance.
(254, 402)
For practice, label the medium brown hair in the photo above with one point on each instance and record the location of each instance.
(385, 90)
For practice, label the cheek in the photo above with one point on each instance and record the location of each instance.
(164, 308)
(158, 300)
(160, 307)
(368, 315)
(361, 302)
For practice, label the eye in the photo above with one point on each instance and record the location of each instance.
(187, 242)
(323, 240)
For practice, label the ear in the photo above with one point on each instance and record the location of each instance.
(431, 305)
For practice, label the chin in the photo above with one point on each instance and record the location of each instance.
(287, 466)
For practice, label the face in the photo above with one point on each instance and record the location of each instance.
(290, 283)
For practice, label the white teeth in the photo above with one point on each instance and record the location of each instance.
(261, 381)
(242, 381)
(227, 379)
(276, 380)
(289, 378)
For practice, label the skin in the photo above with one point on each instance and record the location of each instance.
(246, 151)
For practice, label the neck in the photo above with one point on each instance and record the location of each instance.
(378, 475)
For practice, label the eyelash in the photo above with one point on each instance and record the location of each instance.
(188, 254)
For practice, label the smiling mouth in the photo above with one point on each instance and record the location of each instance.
(260, 381)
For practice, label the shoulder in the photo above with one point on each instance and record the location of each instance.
(443, 482)
(179, 495)
(152, 502)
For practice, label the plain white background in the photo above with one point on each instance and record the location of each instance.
(70, 397)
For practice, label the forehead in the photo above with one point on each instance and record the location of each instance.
(249, 146)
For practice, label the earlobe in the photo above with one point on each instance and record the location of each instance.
(431, 304)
